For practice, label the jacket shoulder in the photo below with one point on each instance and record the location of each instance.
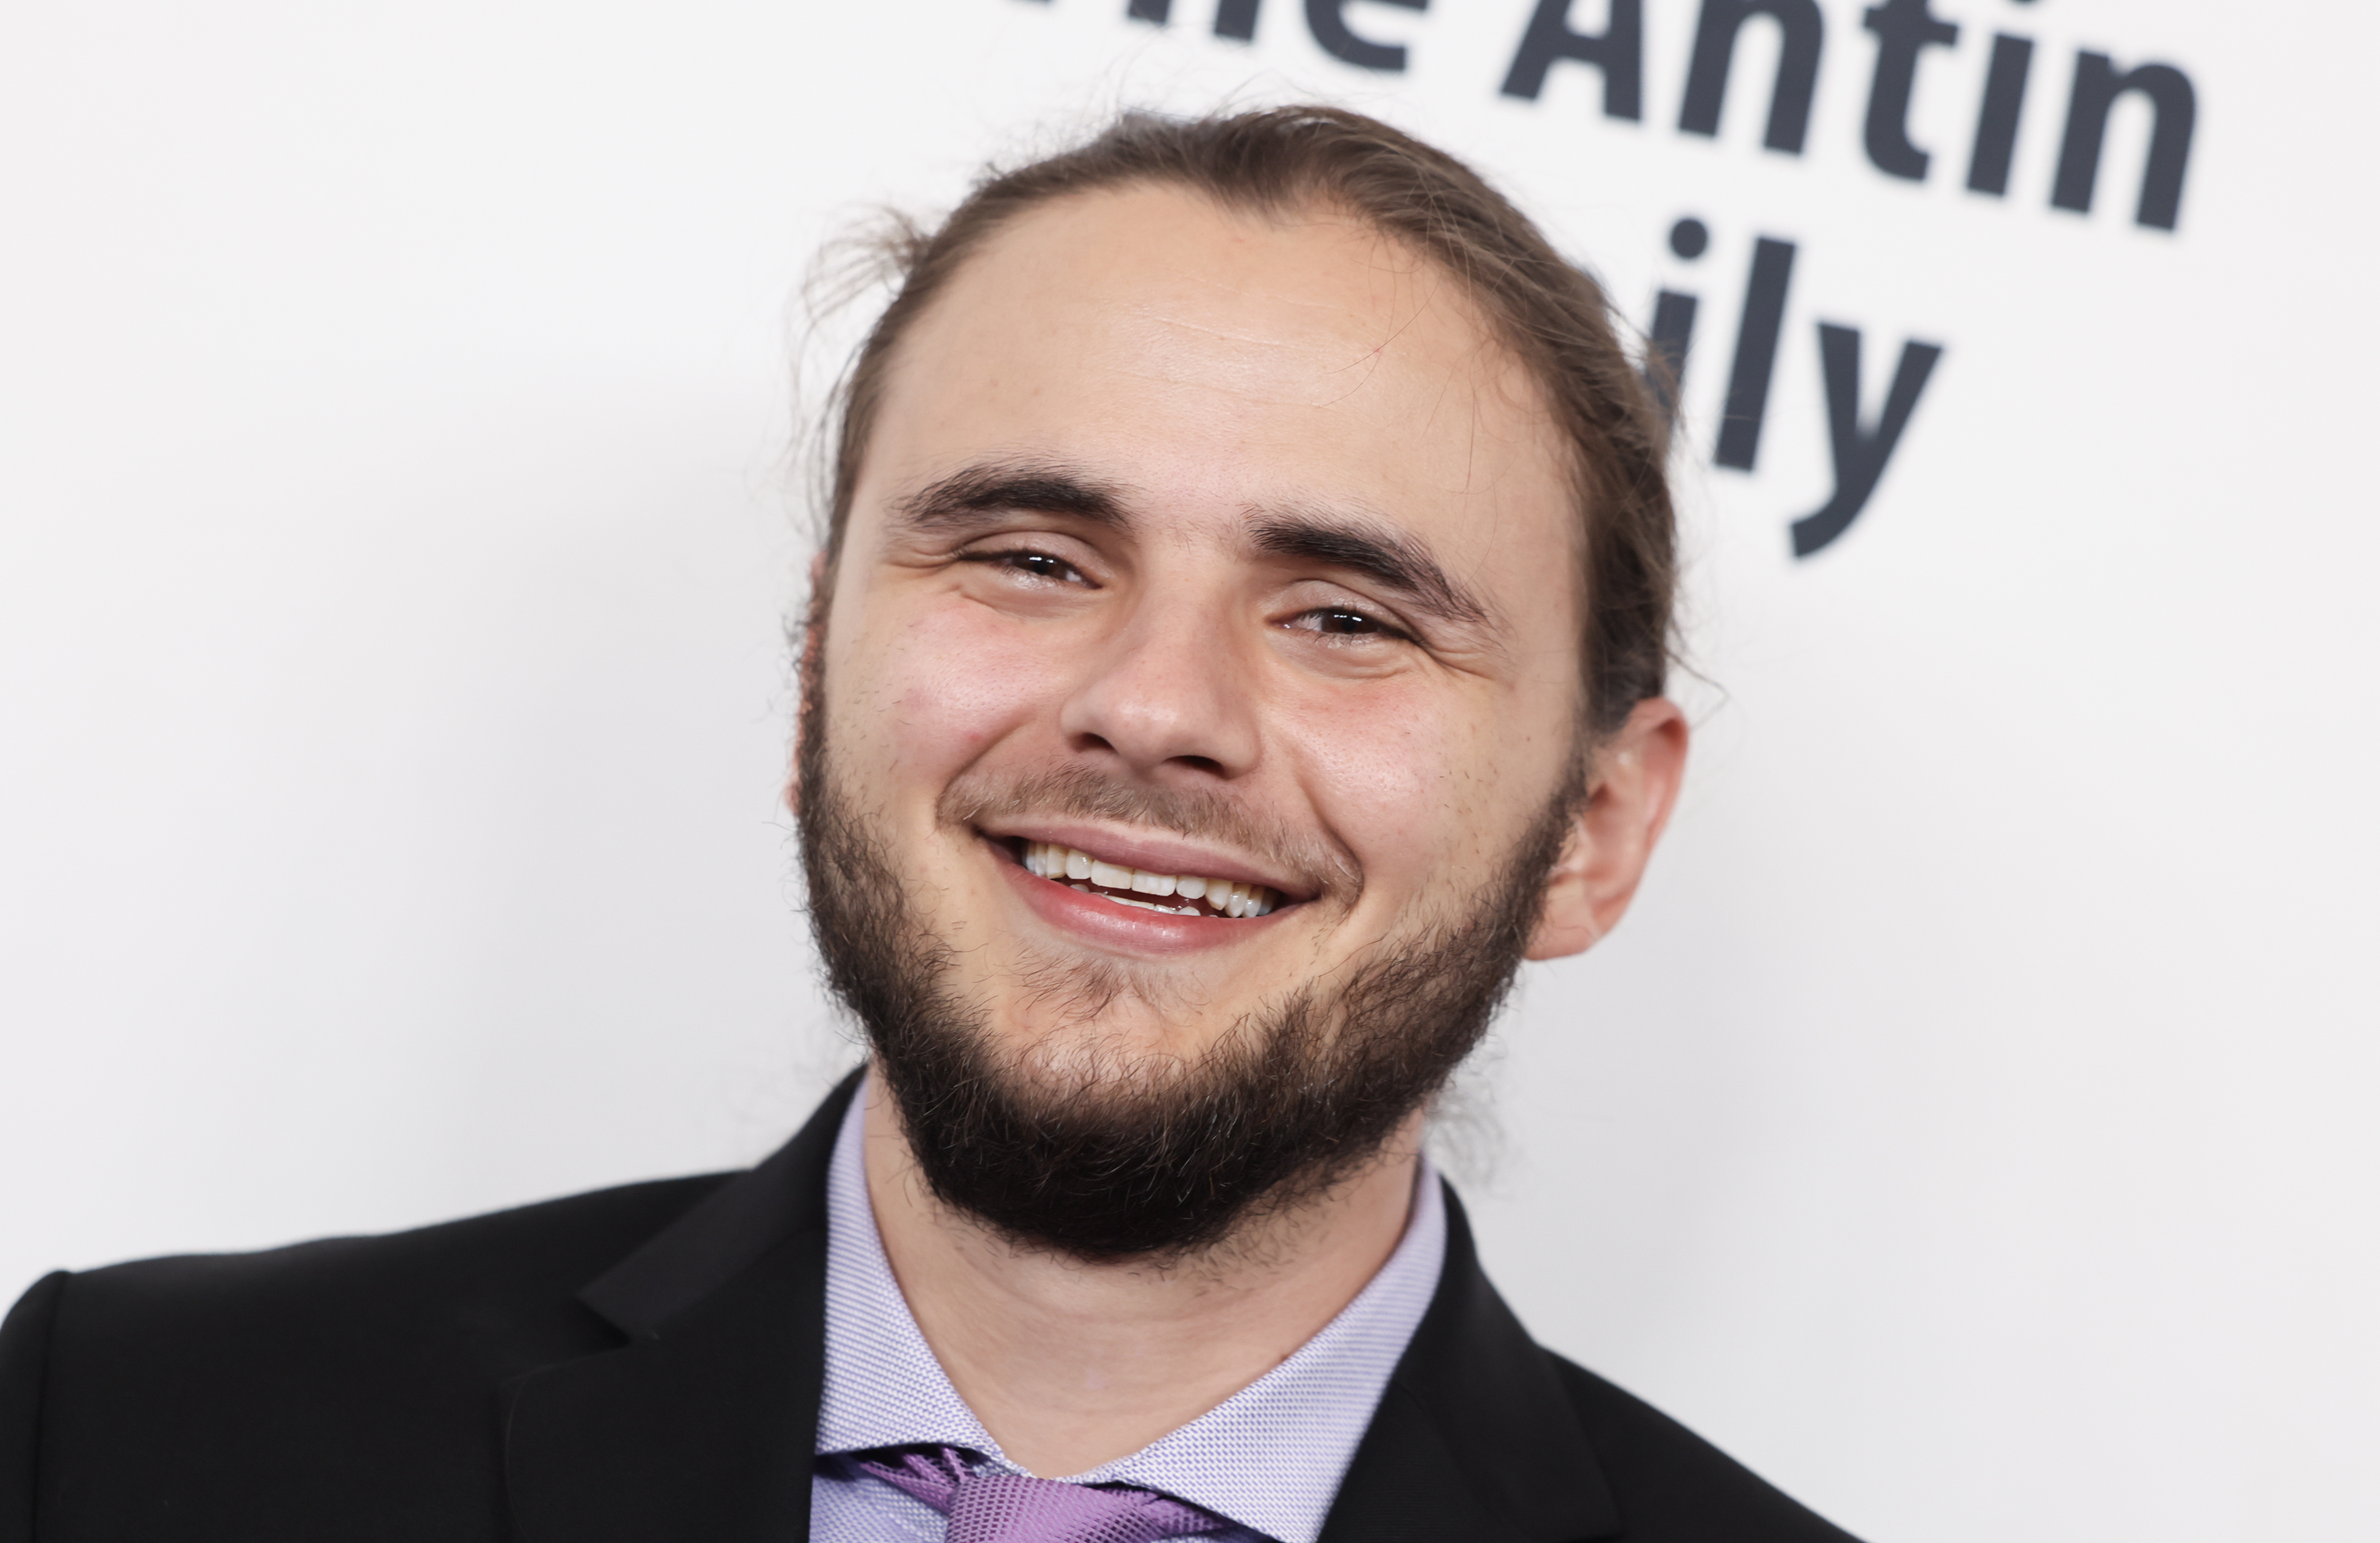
(492, 1272)
(297, 1383)
(1673, 1486)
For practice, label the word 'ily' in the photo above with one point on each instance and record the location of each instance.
(1860, 449)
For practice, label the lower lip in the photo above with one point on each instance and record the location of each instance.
(1127, 927)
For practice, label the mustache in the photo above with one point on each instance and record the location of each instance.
(1311, 860)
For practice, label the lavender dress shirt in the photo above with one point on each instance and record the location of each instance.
(1270, 1457)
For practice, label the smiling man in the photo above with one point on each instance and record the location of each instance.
(1239, 642)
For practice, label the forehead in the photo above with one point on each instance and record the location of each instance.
(1217, 362)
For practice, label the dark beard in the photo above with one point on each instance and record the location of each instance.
(1166, 1157)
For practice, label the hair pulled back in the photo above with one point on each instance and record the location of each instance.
(1553, 317)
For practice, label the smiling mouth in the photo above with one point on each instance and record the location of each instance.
(1171, 895)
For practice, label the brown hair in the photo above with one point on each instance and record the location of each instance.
(1552, 316)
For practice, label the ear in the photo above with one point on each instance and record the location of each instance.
(806, 670)
(1635, 786)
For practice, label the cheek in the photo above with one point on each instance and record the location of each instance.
(1399, 773)
(917, 692)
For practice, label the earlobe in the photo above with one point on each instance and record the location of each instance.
(1566, 922)
(1637, 772)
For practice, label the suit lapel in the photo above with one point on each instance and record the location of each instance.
(1474, 1437)
(702, 1425)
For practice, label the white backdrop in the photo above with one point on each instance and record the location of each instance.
(1972, 1128)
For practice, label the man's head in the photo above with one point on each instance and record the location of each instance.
(1252, 508)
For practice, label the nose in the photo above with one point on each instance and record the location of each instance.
(1168, 694)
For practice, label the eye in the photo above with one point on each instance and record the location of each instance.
(1341, 620)
(1026, 563)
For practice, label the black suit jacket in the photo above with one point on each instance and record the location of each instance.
(468, 1382)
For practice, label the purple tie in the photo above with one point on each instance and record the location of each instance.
(1011, 1508)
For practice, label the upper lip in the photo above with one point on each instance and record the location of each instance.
(1150, 853)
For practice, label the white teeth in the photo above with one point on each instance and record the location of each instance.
(1080, 870)
(1137, 904)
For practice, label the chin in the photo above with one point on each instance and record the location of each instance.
(1101, 1028)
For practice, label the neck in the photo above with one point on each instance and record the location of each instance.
(1069, 1365)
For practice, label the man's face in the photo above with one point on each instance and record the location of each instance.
(1211, 548)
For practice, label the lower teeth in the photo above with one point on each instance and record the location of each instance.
(1143, 904)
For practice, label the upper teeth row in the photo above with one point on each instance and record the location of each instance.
(1228, 897)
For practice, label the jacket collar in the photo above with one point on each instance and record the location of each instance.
(1474, 1437)
(703, 1423)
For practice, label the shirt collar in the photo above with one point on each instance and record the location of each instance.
(1270, 1457)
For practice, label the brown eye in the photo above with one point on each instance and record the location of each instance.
(1031, 565)
(1041, 564)
(1341, 622)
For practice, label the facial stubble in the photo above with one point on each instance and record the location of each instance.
(1141, 1154)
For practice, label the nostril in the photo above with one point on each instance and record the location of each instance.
(1202, 763)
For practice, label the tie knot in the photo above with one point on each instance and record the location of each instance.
(1016, 1508)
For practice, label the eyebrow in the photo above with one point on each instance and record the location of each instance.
(976, 493)
(1360, 543)
(1387, 556)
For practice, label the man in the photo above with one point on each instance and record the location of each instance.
(1238, 642)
